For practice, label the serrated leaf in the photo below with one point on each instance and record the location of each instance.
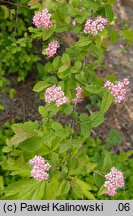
(26, 189)
(23, 131)
(18, 138)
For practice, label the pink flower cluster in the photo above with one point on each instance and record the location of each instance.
(79, 96)
(40, 166)
(114, 180)
(54, 93)
(93, 27)
(52, 48)
(118, 90)
(41, 19)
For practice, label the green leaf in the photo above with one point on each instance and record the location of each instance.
(107, 164)
(113, 138)
(1, 107)
(26, 189)
(44, 52)
(85, 125)
(111, 1)
(32, 144)
(48, 32)
(83, 184)
(62, 68)
(1, 183)
(94, 88)
(63, 189)
(99, 179)
(60, 1)
(127, 34)
(106, 102)
(66, 59)
(78, 65)
(64, 147)
(5, 10)
(56, 126)
(51, 188)
(56, 62)
(96, 119)
(48, 108)
(114, 36)
(109, 12)
(102, 190)
(23, 131)
(6, 149)
(67, 109)
(83, 42)
(85, 187)
(39, 86)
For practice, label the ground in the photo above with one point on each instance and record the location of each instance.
(118, 61)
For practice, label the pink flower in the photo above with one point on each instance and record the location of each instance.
(119, 90)
(61, 101)
(114, 180)
(39, 168)
(41, 19)
(39, 174)
(54, 93)
(93, 27)
(52, 48)
(79, 96)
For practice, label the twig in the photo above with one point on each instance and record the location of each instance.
(15, 28)
(72, 125)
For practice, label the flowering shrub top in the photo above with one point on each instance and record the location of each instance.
(114, 180)
(55, 93)
(52, 48)
(119, 90)
(40, 166)
(42, 19)
(93, 27)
